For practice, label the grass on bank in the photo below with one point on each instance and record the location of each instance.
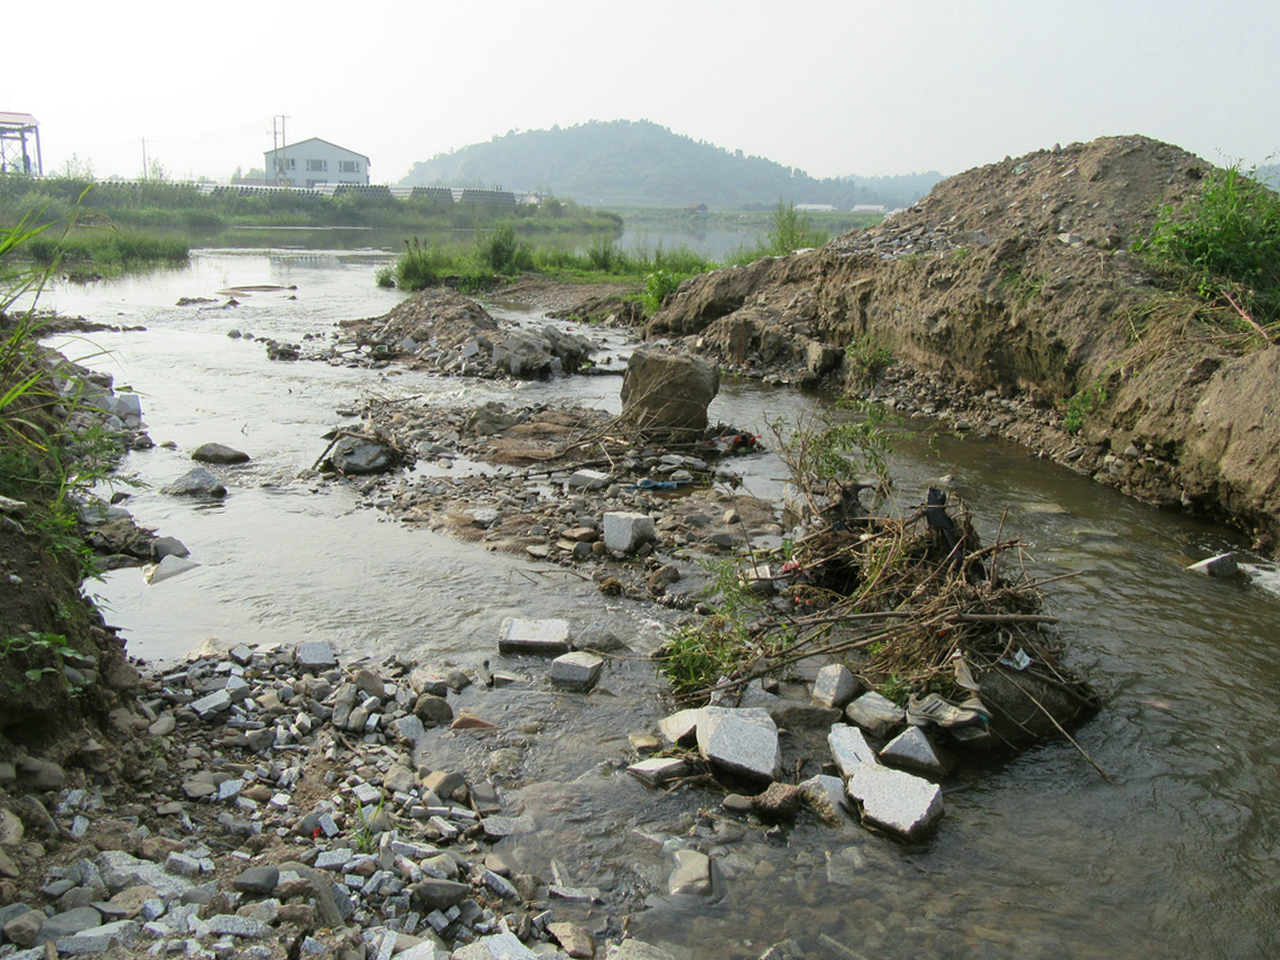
(656, 269)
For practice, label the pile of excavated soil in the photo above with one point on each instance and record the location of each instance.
(1013, 284)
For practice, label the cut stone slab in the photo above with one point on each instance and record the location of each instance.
(589, 480)
(835, 686)
(657, 770)
(547, 638)
(626, 532)
(1223, 565)
(680, 727)
(576, 671)
(875, 714)
(849, 748)
(912, 750)
(894, 800)
(743, 742)
(314, 655)
(692, 874)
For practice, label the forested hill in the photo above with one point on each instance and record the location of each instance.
(626, 163)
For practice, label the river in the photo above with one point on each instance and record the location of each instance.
(1177, 854)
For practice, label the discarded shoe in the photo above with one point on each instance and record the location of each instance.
(932, 708)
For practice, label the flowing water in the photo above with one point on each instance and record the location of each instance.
(1177, 853)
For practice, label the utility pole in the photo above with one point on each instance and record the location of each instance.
(282, 162)
(144, 158)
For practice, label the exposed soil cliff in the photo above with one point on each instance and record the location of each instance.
(1003, 295)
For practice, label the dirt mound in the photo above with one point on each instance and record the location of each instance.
(1014, 284)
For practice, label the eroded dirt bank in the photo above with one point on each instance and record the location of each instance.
(1010, 303)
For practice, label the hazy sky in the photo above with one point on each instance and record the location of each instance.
(850, 87)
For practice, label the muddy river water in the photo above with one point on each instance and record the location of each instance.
(1039, 856)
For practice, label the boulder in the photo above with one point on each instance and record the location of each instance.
(355, 456)
(196, 482)
(667, 394)
(219, 453)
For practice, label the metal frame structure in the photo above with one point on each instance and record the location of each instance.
(14, 156)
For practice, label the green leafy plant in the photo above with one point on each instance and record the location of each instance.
(1081, 404)
(846, 444)
(657, 287)
(1225, 243)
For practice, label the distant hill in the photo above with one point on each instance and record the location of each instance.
(640, 164)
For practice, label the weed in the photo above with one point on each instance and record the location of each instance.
(791, 230)
(866, 358)
(822, 446)
(1024, 288)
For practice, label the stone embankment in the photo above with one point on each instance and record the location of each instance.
(290, 806)
(1012, 290)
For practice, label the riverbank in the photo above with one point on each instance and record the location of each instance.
(1012, 290)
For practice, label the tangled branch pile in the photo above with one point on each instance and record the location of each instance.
(912, 606)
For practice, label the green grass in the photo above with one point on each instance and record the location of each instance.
(499, 252)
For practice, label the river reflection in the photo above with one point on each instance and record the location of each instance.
(1039, 856)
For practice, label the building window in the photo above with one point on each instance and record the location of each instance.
(282, 165)
(320, 166)
(348, 166)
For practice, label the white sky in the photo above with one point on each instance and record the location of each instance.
(847, 87)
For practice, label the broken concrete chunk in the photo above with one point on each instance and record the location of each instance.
(692, 874)
(1223, 565)
(625, 532)
(835, 686)
(658, 770)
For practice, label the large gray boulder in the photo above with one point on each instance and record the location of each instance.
(667, 394)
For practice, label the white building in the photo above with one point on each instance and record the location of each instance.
(315, 161)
